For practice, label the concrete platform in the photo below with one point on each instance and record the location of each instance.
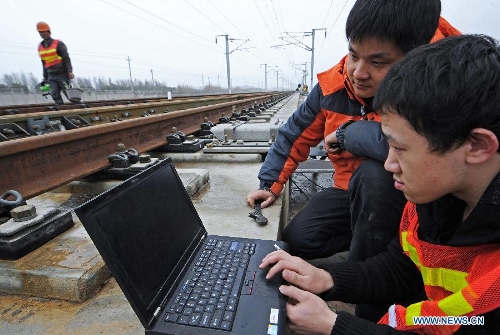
(69, 267)
(64, 286)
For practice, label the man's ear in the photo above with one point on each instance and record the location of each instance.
(483, 144)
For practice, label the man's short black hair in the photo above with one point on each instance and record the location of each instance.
(407, 23)
(446, 89)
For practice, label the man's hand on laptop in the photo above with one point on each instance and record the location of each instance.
(306, 312)
(297, 271)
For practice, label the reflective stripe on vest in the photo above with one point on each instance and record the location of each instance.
(451, 280)
(49, 55)
(457, 280)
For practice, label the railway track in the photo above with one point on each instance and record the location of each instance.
(40, 151)
(48, 107)
(36, 119)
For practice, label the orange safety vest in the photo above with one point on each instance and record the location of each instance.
(458, 281)
(49, 55)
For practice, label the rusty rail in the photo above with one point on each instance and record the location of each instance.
(37, 164)
(176, 100)
(111, 113)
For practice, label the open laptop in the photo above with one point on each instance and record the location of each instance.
(153, 241)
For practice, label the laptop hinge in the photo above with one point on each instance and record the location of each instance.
(158, 310)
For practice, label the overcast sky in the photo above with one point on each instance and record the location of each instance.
(174, 41)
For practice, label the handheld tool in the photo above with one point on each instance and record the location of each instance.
(257, 214)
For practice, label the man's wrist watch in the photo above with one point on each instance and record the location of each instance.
(340, 133)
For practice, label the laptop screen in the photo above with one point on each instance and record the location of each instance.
(145, 229)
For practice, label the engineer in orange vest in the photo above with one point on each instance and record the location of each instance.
(57, 69)
(440, 108)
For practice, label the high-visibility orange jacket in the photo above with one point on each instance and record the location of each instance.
(329, 104)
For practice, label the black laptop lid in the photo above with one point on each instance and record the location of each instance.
(145, 229)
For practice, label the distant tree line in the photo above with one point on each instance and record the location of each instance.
(28, 83)
(21, 81)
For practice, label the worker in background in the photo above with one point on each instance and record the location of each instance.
(57, 69)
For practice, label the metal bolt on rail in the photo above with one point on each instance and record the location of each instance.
(144, 158)
(23, 213)
(120, 148)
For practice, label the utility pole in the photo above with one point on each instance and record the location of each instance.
(277, 87)
(305, 72)
(299, 43)
(228, 68)
(152, 77)
(227, 58)
(266, 72)
(265, 76)
(130, 73)
(312, 55)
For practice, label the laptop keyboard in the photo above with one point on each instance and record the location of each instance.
(210, 297)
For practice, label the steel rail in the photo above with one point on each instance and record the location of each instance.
(47, 107)
(97, 115)
(37, 164)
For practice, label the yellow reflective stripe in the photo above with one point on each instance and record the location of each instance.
(451, 280)
(455, 304)
(46, 51)
(411, 250)
(404, 241)
(411, 311)
(51, 58)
